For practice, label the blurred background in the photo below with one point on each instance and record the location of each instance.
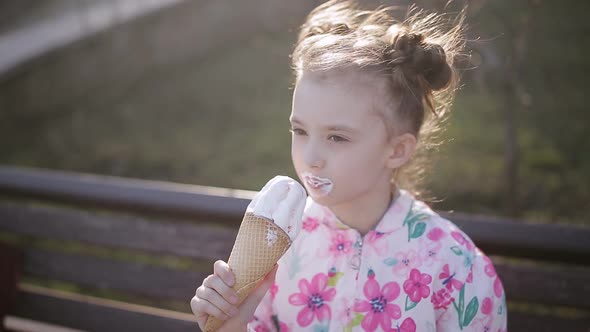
(199, 92)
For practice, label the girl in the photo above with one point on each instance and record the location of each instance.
(369, 94)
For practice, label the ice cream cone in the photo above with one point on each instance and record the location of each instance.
(259, 245)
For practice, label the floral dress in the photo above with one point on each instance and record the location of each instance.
(415, 271)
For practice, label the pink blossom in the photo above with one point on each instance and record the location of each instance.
(486, 306)
(405, 262)
(430, 253)
(491, 272)
(274, 289)
(379, 304)
(436, 234)
(459, 237)
(340, 244)
(408, 325)
(310, 224)
(283, 327)
(314, 297)
(483, 324)
(417, 285)
(441, 299)
(498, 288)
(344, 313)
(261, 328)
(376, 242)
(489, 268)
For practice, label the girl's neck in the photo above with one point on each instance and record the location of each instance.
(364, 213)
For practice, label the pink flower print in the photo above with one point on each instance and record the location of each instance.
(417, 285)
(344, 313)
(377, 242)
(483, 324)
(408, 325)
(491, 272)
(310, 224)
(459, 237)
(283, 327)
(448, 279)
(313, 297)
(406, 261)
(261, 328)
(489, 268)
(486, 306)
(436, 234)
(430, 252)
(441, 299)
(274, 289)
(379, 307)
(341, 245)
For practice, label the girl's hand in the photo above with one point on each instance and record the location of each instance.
(216, 297)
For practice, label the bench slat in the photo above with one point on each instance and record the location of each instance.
(564, 286)
(547, 242)
(125, 193)
(129, 277)
(176, 238)
(524, 322)
(94, 314)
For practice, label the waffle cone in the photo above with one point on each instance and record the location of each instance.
(259, 245)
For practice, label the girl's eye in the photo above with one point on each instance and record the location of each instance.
(337, 138)
(297, 131)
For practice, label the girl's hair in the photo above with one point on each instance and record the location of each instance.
(414, 57)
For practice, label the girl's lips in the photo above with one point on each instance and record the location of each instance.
(318, 183)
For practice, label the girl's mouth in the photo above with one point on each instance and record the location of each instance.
(316, 183)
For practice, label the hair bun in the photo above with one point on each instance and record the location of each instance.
(432, 62)
(417, 57)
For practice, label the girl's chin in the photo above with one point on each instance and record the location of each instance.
(326, 200)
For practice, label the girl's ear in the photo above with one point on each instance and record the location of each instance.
(402, 148)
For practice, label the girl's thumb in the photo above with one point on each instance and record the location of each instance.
(248, 307)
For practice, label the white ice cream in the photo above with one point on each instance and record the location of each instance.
(282, 200)
(323, 186)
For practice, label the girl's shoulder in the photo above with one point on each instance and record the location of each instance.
(438, 228)
(454, 249)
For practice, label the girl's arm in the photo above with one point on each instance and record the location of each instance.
(262, 319)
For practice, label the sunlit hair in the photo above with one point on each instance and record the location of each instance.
(413, 57)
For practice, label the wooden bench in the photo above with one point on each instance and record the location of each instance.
(96, 253)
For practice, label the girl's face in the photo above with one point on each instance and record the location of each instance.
(340, 147)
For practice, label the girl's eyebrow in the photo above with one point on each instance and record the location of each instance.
(330, 128)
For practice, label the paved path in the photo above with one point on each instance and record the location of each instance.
(22, 44)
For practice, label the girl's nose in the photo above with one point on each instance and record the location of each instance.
(313, 156)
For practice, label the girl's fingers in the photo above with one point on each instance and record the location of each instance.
(221, 288)
(217, 301)
(223, 271)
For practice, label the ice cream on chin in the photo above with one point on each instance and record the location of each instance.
(272, 221)
(318, 185)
